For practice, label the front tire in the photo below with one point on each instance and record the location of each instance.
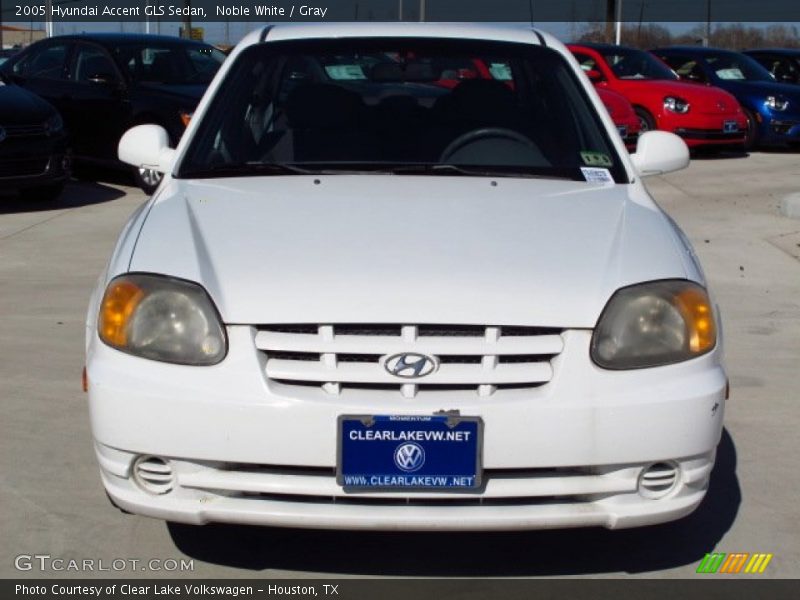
(751, 131)
(646, 120)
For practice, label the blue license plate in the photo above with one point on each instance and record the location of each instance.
(730, 127)
(438, 452)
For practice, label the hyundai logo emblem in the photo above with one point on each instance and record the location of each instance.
(410, 365)
(409, 457)
(3, 134)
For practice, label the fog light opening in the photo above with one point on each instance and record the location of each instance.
(659, 480)
(153, 474)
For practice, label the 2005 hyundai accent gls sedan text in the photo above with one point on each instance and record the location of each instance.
(361, 299)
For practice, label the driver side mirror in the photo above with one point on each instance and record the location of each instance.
(659, 152)
(102, 79)
(147, 147)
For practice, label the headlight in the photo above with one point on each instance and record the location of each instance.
(676, 105)
(163, 319)
(777, 103)
(654, 324)
(54, 124)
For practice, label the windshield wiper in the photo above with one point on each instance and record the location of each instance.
(247, 169)
(448, 169)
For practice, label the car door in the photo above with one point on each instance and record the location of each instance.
(97, 102)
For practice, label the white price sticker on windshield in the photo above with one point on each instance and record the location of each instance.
(595, 175)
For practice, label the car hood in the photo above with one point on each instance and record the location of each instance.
(764, 88)
(20, 107)
(402, 249)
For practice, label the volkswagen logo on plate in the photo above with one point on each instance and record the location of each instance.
(410, 365)
(409, 457)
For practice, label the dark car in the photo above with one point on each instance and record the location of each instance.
(6, 53)
(772, 108)
(33, 159)
(105, 83)
(783, 63)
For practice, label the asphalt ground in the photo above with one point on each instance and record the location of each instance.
(52, 502)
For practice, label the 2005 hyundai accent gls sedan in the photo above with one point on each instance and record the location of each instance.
(364, 300)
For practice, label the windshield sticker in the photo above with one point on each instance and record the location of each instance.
(597, 175)
(734, 74)
(596, 159)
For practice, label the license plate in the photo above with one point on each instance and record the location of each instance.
(730, 127)
(437, 452)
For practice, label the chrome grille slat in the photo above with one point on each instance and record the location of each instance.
(338, 357)
(353, 344)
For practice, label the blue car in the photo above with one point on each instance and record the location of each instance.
(772, 108)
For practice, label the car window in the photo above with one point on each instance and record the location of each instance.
(784, 70)
(687, 68)
(92, 64)
(730, 66)
(45, 62)
(586, 62)
(169, 63)
(629, 63)
(381, 105)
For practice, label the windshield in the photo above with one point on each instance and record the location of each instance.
(730, 66)
(628, 63)
(170, 63)
(410, 106)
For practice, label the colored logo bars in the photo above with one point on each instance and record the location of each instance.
(736, 562)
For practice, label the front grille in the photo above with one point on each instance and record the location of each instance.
(23, 167)
(477, 358)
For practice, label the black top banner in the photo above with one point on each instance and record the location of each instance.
(206, 11)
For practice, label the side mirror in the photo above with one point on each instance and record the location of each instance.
(594, 75)
(102, 78)
(147, 147)
(659, 152)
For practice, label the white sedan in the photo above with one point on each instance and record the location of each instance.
(404, 277)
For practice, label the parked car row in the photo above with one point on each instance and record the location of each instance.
(707, 96)
(104, 84)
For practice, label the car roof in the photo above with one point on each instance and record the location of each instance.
(779, 51)
(127, 38)
(600, 46)
(470, 31)
(696, 50)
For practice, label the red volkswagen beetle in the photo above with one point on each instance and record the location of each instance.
(702, 115)
(622, 114)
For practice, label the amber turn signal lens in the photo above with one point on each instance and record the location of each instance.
(119, 303)
(696, 310)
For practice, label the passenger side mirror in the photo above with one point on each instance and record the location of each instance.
(594, 75)
(659, 152)
(147, 147)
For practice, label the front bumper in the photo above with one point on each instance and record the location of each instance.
(569, 453)
(34, 162)
(707, 129)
